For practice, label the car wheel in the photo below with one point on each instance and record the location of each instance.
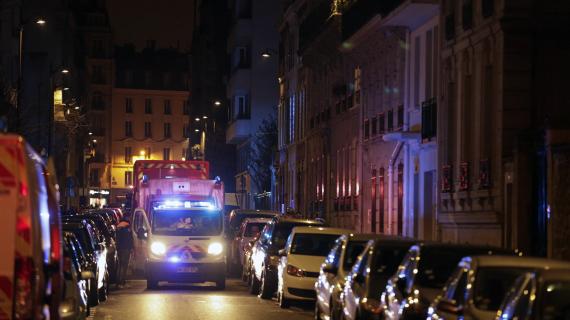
(284, 303)
(265, 291)
(221, 283)
(93, 294)
(253, 283)
(151, 284)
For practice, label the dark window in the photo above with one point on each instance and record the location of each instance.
(94, 177)
(167, 109)
(390, 120)
(166, 154)
(128, 128)
(147, 129)
(381, 123)
(310, 244)
(128, 154)
(167, 132)
(366, 129)
(185, 108)
(467, 16)
(128, 105)
(98, 75)
(400, 117)
(449, 27)
(487, 8)
(374, 126)
(186, 131)
(148, 106)
(97, 101)
(128, 178)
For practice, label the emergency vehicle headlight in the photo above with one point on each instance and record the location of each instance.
(158, 248)
(215, 248)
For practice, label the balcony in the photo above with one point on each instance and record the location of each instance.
(429, 119)
(238, 130)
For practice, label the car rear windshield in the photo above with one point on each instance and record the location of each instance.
(491, 285)
(238, 219)
(385, 261)
(310, 244)
(281, 233)
(253, 228)
(437, 264)
(556, 300)
(187, 222)
(353, 250)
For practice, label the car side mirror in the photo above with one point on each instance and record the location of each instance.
(329, 268)
(449, 306)
(141, 233)
(282, 253)
(86, 275)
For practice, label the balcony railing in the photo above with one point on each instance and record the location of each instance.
(429, 119)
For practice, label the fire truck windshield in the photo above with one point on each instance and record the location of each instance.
(186, 222)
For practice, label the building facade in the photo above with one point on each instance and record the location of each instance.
(252, 94)
(149, 114)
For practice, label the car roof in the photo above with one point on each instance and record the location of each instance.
(320, 230)
(515, 261)
(467, 247)
(284, 219)
(255, 220)
(249, 211)
(374, 236)
(555, 274)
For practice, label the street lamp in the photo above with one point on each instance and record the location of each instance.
(217, 103)
(197, 119)
(40, 22)
(267, 53)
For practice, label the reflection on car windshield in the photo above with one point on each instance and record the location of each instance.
(311, 244)
(254, 228)
(187, 222)
(556, 301)
(353, 250)
(491, 285)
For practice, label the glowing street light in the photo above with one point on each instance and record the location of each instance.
(65, 71)
(217, 103)
(197, 119)
(142, 153)
(205, 117)
(41, 21)
(196, 130)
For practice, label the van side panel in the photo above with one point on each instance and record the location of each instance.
(9, 198)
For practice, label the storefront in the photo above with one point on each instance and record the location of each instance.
(98, 198)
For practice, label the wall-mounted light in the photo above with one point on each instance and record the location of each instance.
(197, 119)
(217, 103)
(65, 71)
(41, 21)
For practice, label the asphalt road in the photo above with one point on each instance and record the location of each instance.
(197, 302)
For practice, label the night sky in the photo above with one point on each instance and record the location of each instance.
(136, 21)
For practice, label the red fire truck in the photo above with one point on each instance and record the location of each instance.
(178, 222)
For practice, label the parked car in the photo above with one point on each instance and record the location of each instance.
(235, 219)
(264, 256)
(303, 255)
(422, 275)
(96, 254)
(368, 277)
(247, 250)
(107, 229)
(333, 272)
(543, 294)
(249, 229)
(75, 304)
(31, 254)
(479, 284)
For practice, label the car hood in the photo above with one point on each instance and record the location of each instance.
(307, 263)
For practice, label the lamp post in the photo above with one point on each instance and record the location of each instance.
(40, 22)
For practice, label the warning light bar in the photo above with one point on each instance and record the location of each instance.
(173, 204)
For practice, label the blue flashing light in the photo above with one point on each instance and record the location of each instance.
(174, 259)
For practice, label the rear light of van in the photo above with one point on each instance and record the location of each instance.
(23, 289)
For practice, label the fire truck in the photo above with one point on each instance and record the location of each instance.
(178, 223)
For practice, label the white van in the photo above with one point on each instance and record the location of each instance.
(31, 263)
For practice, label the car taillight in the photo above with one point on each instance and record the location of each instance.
(23, 289)
(294, 271)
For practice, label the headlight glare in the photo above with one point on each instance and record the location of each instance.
(158, 248)
(215, 248)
